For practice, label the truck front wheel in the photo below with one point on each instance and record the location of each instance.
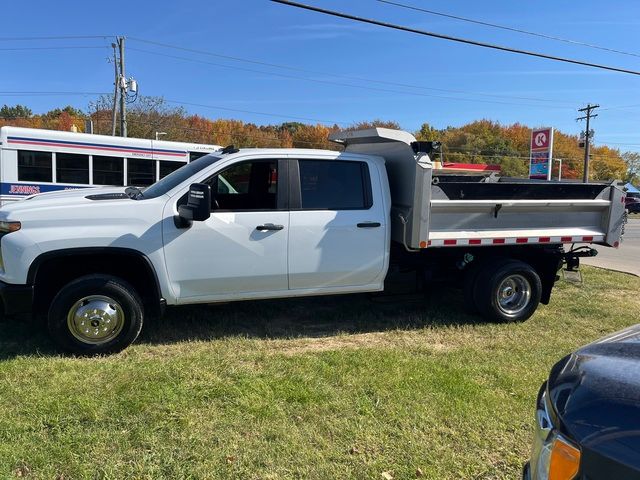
(95, 314)
(507, 291)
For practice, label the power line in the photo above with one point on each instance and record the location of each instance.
(329, 74)
(72, 47)
(511, 29)
(329, 82)
(58, 37)
(268, 114)
(37, 94)
(452, 38)
(621, 107)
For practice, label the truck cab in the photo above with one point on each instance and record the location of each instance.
(278, 223)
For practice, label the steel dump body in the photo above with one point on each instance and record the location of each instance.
(428, 213)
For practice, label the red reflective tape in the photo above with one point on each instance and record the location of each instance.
(452, 241)
(566, 239)
(544, 239)
(499, 240)
(522, 240)
(475, 241)
(587, 239)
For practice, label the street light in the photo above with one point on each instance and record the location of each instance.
(160, 133)
(559, 160)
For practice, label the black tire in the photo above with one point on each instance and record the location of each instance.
(511, 276)
(469, 280)
(115, 327)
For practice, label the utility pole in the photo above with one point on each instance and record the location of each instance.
(123, 90)
(587, 137)
(116, 83)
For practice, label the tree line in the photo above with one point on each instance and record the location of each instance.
(482, 141)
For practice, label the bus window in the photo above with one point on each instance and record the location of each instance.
(168, 167)
(34, 166)
(108, 171)
(196, 155)
(141, 172)
(72, 168)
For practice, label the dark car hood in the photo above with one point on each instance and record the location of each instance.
(595, 393)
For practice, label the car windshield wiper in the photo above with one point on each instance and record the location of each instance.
(134, 192)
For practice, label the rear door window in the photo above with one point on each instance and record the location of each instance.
(334, 185)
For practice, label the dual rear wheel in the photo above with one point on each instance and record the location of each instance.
(503, 290)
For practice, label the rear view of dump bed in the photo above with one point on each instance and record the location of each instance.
(428, 213)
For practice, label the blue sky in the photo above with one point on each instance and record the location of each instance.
(445, 83)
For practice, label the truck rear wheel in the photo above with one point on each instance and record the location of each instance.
(95, 314)
(507, 291)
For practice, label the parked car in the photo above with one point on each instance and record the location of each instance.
(588, 414)
(632, 202)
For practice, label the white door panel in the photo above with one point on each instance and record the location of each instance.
(227, 254)
(327, 249)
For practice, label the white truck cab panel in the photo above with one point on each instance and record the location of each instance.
(339, 232)
(265, 239)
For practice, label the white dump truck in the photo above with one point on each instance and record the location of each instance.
(276, 223)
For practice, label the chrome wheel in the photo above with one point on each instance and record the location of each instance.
(95, 319)
(514, 294)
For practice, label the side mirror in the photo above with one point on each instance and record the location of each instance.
(197, 208)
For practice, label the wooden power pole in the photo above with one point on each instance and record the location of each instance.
(587, 137)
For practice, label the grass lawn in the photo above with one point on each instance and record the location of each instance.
(322, 388)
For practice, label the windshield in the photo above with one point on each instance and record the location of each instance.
(176, 178)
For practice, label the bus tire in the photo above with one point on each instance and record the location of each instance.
(95, 314)
(507, 291)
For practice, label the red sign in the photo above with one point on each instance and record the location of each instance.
(541, 139)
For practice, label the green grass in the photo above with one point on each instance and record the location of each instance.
(321, 388)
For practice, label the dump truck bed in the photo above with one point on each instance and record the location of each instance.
(431, 211)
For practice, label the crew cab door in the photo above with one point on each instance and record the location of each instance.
(241, 250)
(338, 238)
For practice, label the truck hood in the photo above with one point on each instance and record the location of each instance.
(595, 393)
(67, 198)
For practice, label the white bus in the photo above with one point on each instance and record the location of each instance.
(36, 161)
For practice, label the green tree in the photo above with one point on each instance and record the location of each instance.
(632, 160)
(427, 133)
(19, 111)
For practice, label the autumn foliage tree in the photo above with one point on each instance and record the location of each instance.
(486, 141)
(481, 141)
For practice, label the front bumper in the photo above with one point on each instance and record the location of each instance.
(16, 298)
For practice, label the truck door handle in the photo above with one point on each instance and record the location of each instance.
(368, 225)
(269, 226)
